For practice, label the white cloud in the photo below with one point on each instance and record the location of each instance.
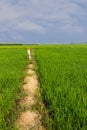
(29, 26)
(71, 28)
(17, 37)
(15, 17)
(41, 15)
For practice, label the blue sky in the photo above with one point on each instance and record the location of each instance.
(43, 21)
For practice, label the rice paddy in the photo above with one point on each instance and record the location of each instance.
(62, 74)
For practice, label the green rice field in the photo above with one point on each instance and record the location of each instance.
(12, 68)
(62, 73)
(63, 80)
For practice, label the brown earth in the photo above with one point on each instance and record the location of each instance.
(29, 119)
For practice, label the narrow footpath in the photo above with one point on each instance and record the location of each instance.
(30, 119)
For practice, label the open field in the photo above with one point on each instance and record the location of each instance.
(63, 80)
(46, 46)
(12, 66)
(62, 73)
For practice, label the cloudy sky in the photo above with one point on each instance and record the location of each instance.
(43, 21)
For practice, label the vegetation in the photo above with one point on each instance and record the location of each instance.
(12, 67)
(63, 79)
(8, 44)
(62, 71)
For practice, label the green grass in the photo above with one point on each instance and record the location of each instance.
(62, 73)
(63, 80)
(12, 70)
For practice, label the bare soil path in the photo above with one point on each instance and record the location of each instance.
(29, 119)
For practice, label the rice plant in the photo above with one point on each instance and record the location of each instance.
(63, 80)
(12, 69)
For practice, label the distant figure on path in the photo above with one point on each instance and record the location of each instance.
(29, 54)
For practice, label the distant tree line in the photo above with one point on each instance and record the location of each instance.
(9, 44)
(17, 44)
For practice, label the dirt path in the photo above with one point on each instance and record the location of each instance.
(29, 119)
